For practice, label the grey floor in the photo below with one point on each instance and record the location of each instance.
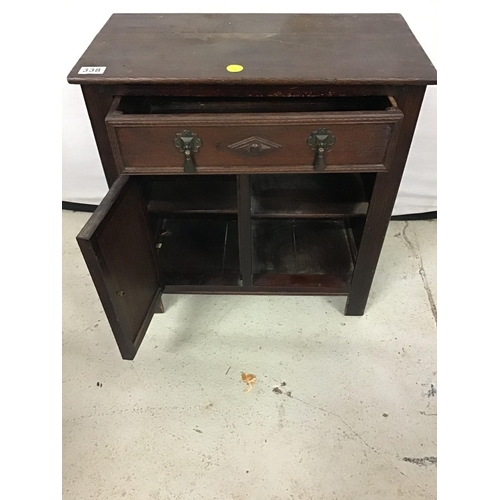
(356, 418)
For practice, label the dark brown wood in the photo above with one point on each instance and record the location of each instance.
(245, 235)
(207, 89)
(198, 251)
(355, 227)
(117, 249)
(308, 196)
(305, 49)
(98, 102)
(351, 240)
(159, 307)
(290, 253)
(214, 194)
(284, 289)
(254, 218)
(382, 202)
(144, 143)
(163, 105)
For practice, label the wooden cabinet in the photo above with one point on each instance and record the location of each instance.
(277, 179)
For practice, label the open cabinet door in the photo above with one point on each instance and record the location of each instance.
(117, 248)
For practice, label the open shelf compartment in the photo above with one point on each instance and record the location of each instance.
(304, 230)
(194, 220)
(186, 194)
(198, 251)
(308, 195)
(302, 253)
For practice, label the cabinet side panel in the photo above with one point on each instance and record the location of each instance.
(98, 101)
(382, 202)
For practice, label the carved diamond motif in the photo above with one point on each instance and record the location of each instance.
(254, 146)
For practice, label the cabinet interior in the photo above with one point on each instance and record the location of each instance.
(305, 229)
(151, 105)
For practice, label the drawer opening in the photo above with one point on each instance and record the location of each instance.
(299, 253)
(159, 105)
(309, 195)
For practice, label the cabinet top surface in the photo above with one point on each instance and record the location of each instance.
(289, 49)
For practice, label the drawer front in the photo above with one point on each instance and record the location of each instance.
(357, 141)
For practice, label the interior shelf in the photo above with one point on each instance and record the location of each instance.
(300, 253)
(210, 194)
(198, 251)
(308, 196)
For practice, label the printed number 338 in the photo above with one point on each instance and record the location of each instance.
(99, 70)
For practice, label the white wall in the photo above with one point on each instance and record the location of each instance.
(82, 176)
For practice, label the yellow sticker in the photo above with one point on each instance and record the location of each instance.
(234, 68)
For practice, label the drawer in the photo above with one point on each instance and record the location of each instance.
(160, 135)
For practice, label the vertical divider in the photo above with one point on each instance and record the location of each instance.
(245, 237)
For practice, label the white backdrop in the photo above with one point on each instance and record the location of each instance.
(82, 176)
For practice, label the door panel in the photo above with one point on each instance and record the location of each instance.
(117, 248)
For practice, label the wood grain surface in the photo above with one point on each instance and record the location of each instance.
(272, 48)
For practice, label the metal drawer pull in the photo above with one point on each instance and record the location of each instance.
(188, 144)
(321, 141)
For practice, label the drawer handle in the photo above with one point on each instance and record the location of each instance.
(188, 144)
(321, 141)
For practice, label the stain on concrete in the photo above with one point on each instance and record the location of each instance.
(425, 461)
(432, 391)
(277, 390)
(249, 379)
(421, 271)
(198, 430)
(281, 415)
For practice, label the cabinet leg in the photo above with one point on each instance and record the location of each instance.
(381, 205)
(159, 307)
(355, 306)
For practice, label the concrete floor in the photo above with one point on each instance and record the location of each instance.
(359, 420)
